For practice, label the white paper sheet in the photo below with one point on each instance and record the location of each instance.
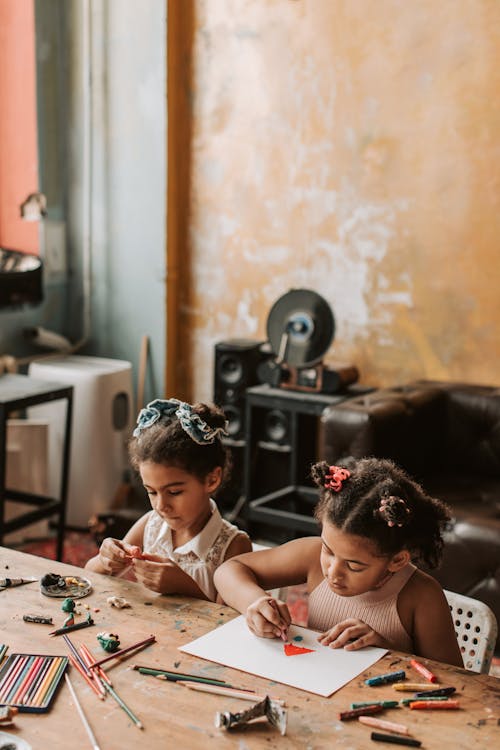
(322, 672)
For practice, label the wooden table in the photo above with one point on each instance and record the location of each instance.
(175, 717)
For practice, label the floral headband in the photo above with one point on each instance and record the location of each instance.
(336, 475)
(197, 429)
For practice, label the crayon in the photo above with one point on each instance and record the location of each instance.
(364, 711)
(423, 670)
(434, 704)
(408, 741)
(384, 678)
(384, 704)
(407, 701)
(437, 691)
(410, 687)
(389, 726)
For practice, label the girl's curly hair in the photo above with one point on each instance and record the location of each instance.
(381, 502)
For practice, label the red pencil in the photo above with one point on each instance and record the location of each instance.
(423, 670)
(117, 654)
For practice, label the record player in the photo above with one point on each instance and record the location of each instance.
(300, 330)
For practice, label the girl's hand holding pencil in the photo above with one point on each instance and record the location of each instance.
(268, 618)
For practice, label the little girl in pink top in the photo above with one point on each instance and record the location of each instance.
(364, 589)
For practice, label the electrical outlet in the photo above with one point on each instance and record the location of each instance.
(54, 248)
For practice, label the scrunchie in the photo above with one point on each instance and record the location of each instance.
(197, 429)
(394, 511)
(336, 475)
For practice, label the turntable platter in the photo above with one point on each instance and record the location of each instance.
(300, 328)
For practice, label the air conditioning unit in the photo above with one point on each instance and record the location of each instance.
(101, 427)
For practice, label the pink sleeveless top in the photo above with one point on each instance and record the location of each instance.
(377, 608)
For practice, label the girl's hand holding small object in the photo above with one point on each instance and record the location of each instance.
(268, 618)
(352, 635)
(113, 556)
(156, 573)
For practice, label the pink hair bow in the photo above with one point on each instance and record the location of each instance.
(336, 475)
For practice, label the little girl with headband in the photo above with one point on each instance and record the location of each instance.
(364, 589)
(176, 547)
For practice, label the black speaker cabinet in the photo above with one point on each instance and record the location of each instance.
(236, 363)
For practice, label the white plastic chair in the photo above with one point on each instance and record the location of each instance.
(476, 630)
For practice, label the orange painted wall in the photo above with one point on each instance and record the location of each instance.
(351, 148)
(18, 144)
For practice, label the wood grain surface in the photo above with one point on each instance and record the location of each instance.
(176, 717)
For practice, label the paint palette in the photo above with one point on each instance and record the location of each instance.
(30, 681)
(11, 740)
(61, 587)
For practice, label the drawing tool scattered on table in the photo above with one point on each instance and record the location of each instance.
(165, 674)
(243, 694)
(71, 628)
(363, 711)
(434, 705)
(410, 687)
(421, 669)
(384, 704)
(29, 681)
(81, 713)
(436, 692)
(123, 651)
(7, 583)
(388, 726)
(123, 705)
(395, 739)
(384, 679)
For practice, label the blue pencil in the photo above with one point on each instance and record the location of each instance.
(385, 678)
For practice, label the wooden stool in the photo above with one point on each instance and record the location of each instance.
(19, 392)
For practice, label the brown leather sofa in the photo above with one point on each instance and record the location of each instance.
(447, 436)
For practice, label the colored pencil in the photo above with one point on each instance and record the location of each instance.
(123, 705)
(123, 651)
(423, 670)
(76, 655)
(22, 675)
(174, 677)
(79, 708)
(55, 682)
(89, 659)
(100, 693)
(9, 678)
(384, 704)
(228, 692)
(70, 628)
(36, 683)
(30, 678)
(38, 698)
(389, 726)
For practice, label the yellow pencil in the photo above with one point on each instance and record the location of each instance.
(38, 697)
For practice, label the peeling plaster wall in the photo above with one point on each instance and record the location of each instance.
(351, 148)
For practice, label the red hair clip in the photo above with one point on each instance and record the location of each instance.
(336, 475)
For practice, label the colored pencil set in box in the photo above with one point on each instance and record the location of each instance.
(29, 681)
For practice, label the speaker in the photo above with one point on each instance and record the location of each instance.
(236, 363)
